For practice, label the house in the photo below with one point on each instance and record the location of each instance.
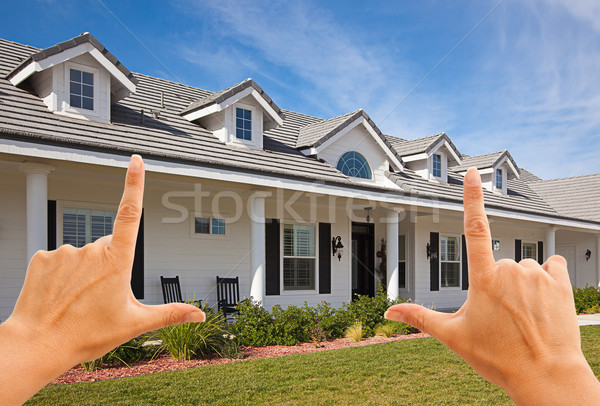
(297, 206)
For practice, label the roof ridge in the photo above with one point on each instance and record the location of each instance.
(570, 177)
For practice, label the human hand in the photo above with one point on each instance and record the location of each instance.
(518, 326)
(76, 303)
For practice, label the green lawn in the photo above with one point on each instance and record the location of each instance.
(406, 372)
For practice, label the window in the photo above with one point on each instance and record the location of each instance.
(81, 89)
(529, 250)
(299, 258)
(450, 261)
(402, 262)
(83, 226)
(243, 124)
(354, 164)
(437, 166)
(207, 225)
(498, 178)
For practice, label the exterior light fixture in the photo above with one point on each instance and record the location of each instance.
(368, 216)
(337, 247)
(431, 253)
(588, 255)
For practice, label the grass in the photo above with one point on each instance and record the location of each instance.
(400, 373)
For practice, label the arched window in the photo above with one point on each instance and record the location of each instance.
(354, 164)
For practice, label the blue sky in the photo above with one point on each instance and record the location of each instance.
(520, 75)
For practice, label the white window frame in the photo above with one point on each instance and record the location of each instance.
(443, 178)
(406, 281)
(459, 238)
(60, 206)
(255, 142)
(298, 292)
(535, 246)
(210, 235)
(67, 108)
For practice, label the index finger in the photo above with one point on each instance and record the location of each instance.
(477, 229)
(125, 229)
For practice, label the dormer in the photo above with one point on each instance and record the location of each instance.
(496, 169)
(354, 145)
(429, 157)
(238, 115)
(76, 78)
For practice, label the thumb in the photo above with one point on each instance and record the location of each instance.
(426, 320)
(160, 316)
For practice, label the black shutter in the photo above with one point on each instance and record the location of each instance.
(541, 252)
(517, 250)
(465, 265)
(137, 272)
(325, 258)
(272, 257)
(434, 261)
(51, 225)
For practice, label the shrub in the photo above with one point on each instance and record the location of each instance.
(370, 310)
(385, 330)
(586, 298)
(292, 325)
(253, 325)
(229, 347)
(187, 340)
(355, 332)
(129, 352)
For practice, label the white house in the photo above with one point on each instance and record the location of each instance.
(236, 186)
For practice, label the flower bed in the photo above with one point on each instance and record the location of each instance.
(165, 362)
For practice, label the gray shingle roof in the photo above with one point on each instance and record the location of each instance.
(484, 161)
(225, 94)
(72, 43)
(419, 145)
(577, 197)
(317, 133)
(24, 116)
(527, 176)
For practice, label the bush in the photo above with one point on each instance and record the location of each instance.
(355, 332)
(184, 341)
(253, 325)
(229, 347)
(586, 298)
(370, 310)
(292, 325)
(385, 330)
(131, 351)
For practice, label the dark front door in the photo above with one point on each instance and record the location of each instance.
(363, 259)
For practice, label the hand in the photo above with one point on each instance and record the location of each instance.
(518, 326)
(76, 304)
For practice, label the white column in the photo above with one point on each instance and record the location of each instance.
(256, 210)
(550, 246)
(392, 255)
(597, 255)
(36, 206)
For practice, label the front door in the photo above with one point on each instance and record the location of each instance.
(568, 252)
(363, 259)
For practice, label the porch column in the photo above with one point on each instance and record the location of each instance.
(36, 206)
(597, 254)
(256, 210)
(550, 243)
(392, 255)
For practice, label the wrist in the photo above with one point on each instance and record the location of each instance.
(555, 383)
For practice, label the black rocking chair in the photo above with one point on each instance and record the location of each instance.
(171, 290)
(228, 295)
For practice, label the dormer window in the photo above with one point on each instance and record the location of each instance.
(354, 164)
(499, 183)
(243, 124)
(437, 166)
(81, 89)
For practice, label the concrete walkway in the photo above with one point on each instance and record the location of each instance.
(589, 319)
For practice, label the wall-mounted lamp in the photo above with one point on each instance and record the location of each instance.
(368, 216)
(588, 255)
(431, 253)
(337, 247)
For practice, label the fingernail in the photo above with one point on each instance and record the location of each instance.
(195, 316)
(135, 163)
(472, 177)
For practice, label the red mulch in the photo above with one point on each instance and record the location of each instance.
(166, 363)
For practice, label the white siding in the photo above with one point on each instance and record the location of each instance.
(359, 140)
(13, 237)
(582, 272)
